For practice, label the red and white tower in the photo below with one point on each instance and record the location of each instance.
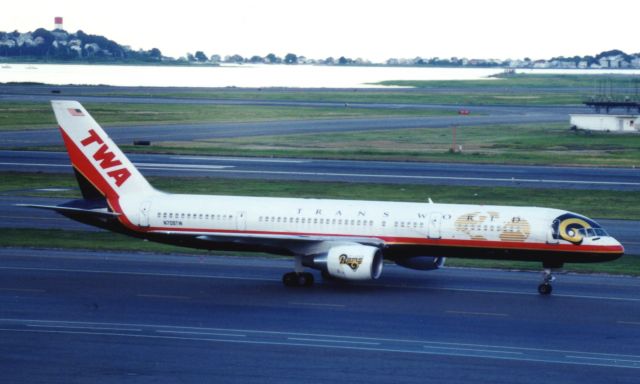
(57, 22)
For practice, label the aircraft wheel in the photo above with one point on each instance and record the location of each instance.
(293, 279)
(545, 289)
(308, 279)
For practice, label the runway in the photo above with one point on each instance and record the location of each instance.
(201, 131)
(481, 115)
(621, 179)
(75, 316)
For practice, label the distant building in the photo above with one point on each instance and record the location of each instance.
(605, 123)
(57, 23)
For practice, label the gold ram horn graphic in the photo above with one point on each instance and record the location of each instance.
(572, 225)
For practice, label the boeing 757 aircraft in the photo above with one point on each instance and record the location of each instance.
(345, 239)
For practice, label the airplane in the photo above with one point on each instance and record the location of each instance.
(344, 239)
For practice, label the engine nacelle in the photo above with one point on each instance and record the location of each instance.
(422, 263)
(350, 262)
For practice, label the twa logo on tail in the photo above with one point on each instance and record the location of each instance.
(106, 158)
(102, 165)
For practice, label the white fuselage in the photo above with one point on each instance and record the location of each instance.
(394, 223)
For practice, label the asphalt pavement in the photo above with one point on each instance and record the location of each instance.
(76, 316)
(621, 179)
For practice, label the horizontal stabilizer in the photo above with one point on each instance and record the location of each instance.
(103, 212)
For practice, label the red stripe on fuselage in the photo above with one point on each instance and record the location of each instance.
(424, 241)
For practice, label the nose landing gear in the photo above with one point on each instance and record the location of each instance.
(545, 288)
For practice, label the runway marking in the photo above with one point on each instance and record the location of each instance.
(278, 280)
(201, 333)
(510, 292)
(164, 296)
(39, 165)
(53, 189)
(477, 313)
(418, 177)
(332, 341)
(263, 337)
(474, 350)
(318, 304)
(23, 290)
(628, 322)
(613, 362)
(84, 327)
(635, 362)
(182, 166)
(139, 273)
(239, 159)
(222, 169)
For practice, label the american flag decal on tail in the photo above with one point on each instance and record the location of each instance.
(76, 112)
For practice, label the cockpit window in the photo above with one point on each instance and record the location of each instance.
(592, 232)
(601, 232)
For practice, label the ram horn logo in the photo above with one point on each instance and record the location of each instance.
(572, 228)
(352, 262)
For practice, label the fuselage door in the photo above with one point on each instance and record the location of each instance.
(435, 222)
(551, 233)
(145, 209)
(241, 221)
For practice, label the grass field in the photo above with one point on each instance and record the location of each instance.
(597, 204)
(552, 144)
(456, 96)
(15, 115)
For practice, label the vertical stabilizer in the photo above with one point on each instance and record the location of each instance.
(95, 157)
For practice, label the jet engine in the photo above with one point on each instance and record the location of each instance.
(349, 262)
(422, 263)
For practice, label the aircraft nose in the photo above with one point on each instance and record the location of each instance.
(618, 245)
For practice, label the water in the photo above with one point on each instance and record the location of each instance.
(254, 76)
(304, 76)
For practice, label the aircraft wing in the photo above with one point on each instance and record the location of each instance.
(296, 244)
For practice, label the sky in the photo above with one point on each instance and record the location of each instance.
(373, 29)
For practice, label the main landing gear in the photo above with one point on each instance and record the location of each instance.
(545, 287)
(298, 278)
